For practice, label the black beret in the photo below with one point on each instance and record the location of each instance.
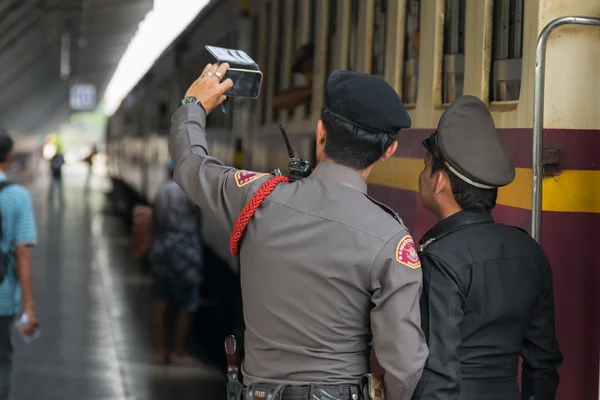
(466, 139)
(305, 53)
(365, 101)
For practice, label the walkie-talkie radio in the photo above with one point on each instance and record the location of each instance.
(298, 168)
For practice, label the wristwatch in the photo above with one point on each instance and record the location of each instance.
(190, 100)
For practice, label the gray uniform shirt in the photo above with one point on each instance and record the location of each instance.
(324, 269)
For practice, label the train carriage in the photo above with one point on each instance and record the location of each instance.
(430, 51)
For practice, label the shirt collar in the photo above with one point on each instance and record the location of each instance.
(455, 221)
(326, 170)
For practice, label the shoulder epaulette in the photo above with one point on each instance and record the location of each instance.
(423, 246)
(387, 209)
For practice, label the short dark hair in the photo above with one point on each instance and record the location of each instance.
(6, 145)
(351, 146)
(468, 197)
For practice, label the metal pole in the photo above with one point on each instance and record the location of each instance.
(538, 115)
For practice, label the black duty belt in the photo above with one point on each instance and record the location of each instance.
(283, 392)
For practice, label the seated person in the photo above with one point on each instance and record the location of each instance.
(289, 99)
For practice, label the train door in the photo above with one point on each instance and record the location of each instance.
(538, 126)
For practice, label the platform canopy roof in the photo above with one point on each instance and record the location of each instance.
(46, 46)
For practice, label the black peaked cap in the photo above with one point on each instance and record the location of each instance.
(466, 138)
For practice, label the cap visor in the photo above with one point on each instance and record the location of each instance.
(427, 144)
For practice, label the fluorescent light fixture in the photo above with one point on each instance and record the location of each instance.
(156, 32)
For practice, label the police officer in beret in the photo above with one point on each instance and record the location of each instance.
(487, 287)
(325, 269)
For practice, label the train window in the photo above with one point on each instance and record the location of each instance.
(163, 118)
(255, 56)
(296, 32)
(353, 42)
(265, 58)
(507, 50)
(453, 66)
(255, 37)
(332, 40)
(410, 78)
(312, 28)
(280, 41)
(297, 29)
(379, 36)
(313, 19)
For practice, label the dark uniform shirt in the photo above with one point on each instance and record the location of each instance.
(487, 299)
(324, 269)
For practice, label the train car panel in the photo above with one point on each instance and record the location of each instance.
(573, 53)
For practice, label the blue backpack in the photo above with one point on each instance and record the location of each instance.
(4, 257)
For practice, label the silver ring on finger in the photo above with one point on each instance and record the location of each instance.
(208, 74)
(218, 74)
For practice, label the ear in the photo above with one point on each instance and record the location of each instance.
(390, 151)
(321, 133)
(442, 182)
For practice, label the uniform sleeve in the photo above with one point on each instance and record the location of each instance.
(398, 340)
(540, 352)
(221, 190)
(442, 313)
(25, 229)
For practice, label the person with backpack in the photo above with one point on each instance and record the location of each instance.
(176, 258)
(18, 234)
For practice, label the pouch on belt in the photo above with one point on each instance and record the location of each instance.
(372, 387)
(264, 391)
(235, 388)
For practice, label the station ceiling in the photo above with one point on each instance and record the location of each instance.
(34, 96)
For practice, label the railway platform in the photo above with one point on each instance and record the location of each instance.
(94, 307)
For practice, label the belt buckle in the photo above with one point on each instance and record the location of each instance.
(317, 392)
(258, 391)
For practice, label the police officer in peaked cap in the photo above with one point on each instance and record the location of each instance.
(487, 287)
(325, 269)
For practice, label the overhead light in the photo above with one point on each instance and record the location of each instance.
(156, 32)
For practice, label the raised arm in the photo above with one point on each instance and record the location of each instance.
(395, 320)
(216, 188)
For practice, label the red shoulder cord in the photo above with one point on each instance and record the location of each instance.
(249, 210)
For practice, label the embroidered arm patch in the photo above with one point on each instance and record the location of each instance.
(406, 253)
(243, 178)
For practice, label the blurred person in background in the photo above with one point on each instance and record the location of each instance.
(90, 161)
(17, 235)
(288, 99)
(176, 259)
(56, 163)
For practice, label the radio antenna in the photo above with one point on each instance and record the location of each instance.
(287, 142)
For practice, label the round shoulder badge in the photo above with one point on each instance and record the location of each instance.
(406, 253)
(243, 177)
